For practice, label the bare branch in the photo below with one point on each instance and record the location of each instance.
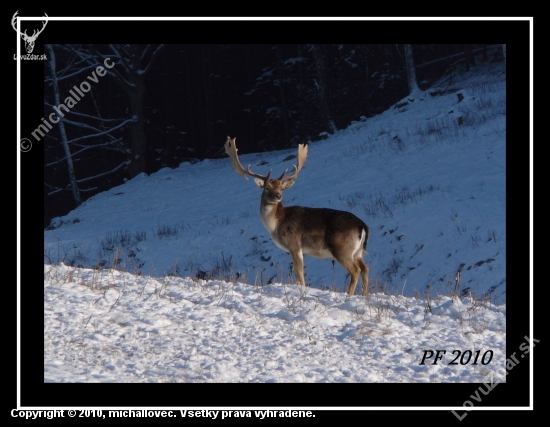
(153, 58)
(113, 72)
(122, 58)
(77, 72)
(126, 163)
(101, 133)
(55, 189)
(83, 115)
(107, 145)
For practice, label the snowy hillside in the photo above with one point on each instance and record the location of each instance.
(190, 287)
(427, 176)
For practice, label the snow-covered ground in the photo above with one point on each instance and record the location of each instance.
(108, 326)
(172, 278)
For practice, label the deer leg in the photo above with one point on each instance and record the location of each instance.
(364, 275)
(298, 266)
(354, 271)
(346, 258)
(354, 279)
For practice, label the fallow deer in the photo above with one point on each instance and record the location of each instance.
(318, 232)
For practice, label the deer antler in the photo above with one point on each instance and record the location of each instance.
(14, 20)
(44, 23)
(302, 156)
(35, 34)
(231, 151)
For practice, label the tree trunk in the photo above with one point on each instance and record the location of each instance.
(367, 83)
(138, 157)
(319, 57)
(302, 133)
(411, 74)
(469, 60)
(63, 133)
(286, 126)
(207, 94)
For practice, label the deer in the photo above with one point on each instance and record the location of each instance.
(29, 40)
(318, 232)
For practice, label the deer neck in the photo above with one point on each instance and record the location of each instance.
(271, 214)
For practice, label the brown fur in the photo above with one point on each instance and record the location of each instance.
(318, 232)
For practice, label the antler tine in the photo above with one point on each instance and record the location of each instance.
(36, 33)
(44, 23)
(231, 151)
(14, 20)
(281, 177)
(302, 156)
(265, 178)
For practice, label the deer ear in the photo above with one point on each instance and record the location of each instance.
(259, 182)
(288, 184)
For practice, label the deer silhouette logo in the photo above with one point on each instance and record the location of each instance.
(29, 40)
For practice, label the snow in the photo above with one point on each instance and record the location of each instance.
(172, 278)
(108, 326)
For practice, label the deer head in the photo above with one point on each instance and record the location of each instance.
(29, 40)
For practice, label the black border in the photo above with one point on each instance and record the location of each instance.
(514, 393)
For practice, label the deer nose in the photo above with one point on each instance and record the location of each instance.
(277, 195)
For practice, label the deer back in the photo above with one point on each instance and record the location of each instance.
(319, 232)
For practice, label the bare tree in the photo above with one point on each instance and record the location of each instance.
(280, 77)
(63, 133)
(206, 71)
(411, 74)
(133, 63)
(469, 59)
(79, 128)
(321, 84)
